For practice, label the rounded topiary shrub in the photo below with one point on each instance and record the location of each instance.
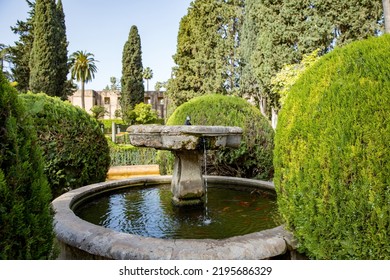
(332, 158)
(26, 230)
(75, 150)
(253, 159)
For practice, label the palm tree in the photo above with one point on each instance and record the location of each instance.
(147, 75)
(82, 69)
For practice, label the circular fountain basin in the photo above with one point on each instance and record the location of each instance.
(149, 212)
(80, 239)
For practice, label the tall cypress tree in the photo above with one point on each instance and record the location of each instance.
(228, 57)
(196, 60)
(206, 59)
(64, 88)
(132, 72)
(44, 53)
(249, 85)
(183, 85)
(20, 53)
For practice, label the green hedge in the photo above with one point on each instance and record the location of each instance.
(26, 230)
(253, 159)
(75, 150)
(332, 157)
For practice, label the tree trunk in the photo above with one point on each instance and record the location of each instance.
(263, 106)
(82, 95)
(386, 14)
(274, 118)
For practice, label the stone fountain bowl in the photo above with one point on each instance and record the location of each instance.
(184, 137)
(79, 239)
(187, 142)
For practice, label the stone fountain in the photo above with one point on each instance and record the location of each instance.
(187, 143)
(80, 239)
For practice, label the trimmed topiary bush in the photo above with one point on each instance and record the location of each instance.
(332, 158)
(26, 230)
(253, 159)
(75, 149)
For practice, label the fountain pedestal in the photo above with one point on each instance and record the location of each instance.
(187, 144)
(187, 184)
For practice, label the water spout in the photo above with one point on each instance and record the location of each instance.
(207, 219)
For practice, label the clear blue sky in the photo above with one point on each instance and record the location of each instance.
(102, 28)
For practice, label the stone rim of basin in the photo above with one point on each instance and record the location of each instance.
(184, 137)
(201, 130)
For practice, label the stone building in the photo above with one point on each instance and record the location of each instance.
(159, 102)
(110, 99)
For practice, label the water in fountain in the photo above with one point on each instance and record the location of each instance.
(189, 187)
(149, 212)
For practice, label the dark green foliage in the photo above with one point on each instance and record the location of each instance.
(25, 218)
(48, 57)
(20, 53)
(332, 159)
(280, 32)
(64, 87)
(75, 150)
(249, 32)
(253, 159)
(132, 72)
(46, 65)
(43, 76)
(206, 58)
(5, 52)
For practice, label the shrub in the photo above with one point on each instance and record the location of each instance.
(98, 111)
(141, 114)
(253, 159)
(26, 230)
(75, 150)
(332, 160)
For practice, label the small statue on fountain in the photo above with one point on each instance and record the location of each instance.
(187, 122)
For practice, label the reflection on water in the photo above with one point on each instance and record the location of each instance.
(149, 212)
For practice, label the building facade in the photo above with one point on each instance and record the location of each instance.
(110, 99)
(159, 102)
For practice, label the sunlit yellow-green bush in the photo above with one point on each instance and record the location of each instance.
(332, 154)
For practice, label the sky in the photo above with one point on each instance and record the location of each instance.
(102, 27)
